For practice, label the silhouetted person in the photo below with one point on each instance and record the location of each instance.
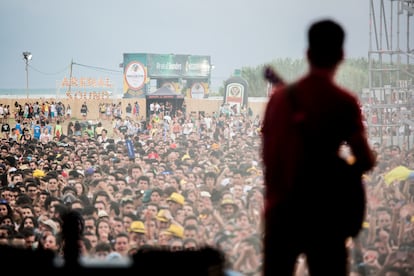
(304, 126)
(73, 227)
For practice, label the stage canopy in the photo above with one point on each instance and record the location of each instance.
(162, 96)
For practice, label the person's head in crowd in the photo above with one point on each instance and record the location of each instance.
(70, 189)
(84, 161)
(174, 182)
(151, 210)
(89, 223)
(7, 220)
(26, 210)
(179, 173)
(85, 247)
(100, 206)
(163, 238)
(5, 208)
(143, 183)
(112, 189)
(103, 230)
(156, 195)
(90, 210)
(151, 225)
(97, 174)
(223, 240)
(205, 197)
(101, 250)
(135, 171)
(50, 203)
(93, 239)
(205, 217)
(384, 216)
(60, 210)
(52, 187)
(21, 187)
(74, 174)
(176, 231)
(179, 215)
(168, 191)
(128, 218)
(137, 233)
(77, 204)
(191, 220)
(237, 190)
(238, 177)
(121, 183)
(210, 179)
(114, 208)
(226, 194)
(240, 202)
(29, 236)
(121, 243)
(151, 175)
(32, 189)
(59, 224)
(190, 244)
(191, 196)
(163, 219)
(111, 178)
(175, 201)
(228, 209)
(81, 189)
(47, 226)
(117, 225)
(28, 222)
(127, 206)
(6, 233)
(188, 209)
(101, 195)
(242, 220)
(190, 231)
(175, 244)
(188, 185)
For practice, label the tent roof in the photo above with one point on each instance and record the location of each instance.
(164, 93)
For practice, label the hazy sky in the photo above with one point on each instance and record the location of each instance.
(235, 33)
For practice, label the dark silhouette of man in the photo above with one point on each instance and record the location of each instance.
(304, 126)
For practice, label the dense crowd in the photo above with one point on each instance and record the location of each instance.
(177, 182)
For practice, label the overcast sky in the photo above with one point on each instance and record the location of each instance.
(235, 33)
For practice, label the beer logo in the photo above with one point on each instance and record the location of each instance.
(135, 75)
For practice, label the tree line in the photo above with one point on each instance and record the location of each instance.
(352, 74)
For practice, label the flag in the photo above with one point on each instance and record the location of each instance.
(398, 173)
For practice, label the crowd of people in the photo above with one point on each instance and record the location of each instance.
(177, 183)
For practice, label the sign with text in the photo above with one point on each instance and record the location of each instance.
(141, 68)
(87, 88)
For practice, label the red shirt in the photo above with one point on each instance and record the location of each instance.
(330, 116)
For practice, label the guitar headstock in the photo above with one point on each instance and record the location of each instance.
(271, 76)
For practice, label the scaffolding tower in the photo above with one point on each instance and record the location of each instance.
(390, 96)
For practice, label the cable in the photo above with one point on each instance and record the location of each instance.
(98, 68)
(45, 73)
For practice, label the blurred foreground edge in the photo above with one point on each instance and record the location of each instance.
(205, 261)
(147, 261)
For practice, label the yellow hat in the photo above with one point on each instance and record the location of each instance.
(229, 201)
(252, 169)
(38, 173)
(176, 230)
(176, 197)
(365, 224)
(215, 146)
(185, 156)
(161, 216)
(137, 227)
